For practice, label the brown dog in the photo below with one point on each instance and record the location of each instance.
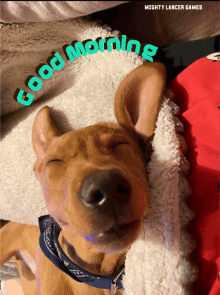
(95, 186)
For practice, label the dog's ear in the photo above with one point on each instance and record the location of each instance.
(138, 99)
(43, 132)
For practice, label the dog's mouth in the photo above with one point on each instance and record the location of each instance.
(118, 234)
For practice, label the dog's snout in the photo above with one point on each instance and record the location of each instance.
(104, 189)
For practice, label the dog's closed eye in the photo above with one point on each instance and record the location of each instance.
(116, 141)
(117, 144)
(56, 161)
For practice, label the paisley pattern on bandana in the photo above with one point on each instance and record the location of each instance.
(52, 250)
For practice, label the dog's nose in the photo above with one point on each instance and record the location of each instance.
(104, 189)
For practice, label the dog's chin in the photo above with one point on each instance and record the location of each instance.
(117, 239)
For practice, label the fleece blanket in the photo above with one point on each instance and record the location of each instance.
(81, 94)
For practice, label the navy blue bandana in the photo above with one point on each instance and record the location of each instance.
(52, 250)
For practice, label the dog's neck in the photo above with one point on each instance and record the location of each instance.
(82, 253)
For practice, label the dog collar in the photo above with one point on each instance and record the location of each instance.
(51, 248)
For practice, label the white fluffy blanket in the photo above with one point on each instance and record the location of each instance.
(82, 94)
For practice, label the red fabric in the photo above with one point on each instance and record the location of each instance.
(197, 92)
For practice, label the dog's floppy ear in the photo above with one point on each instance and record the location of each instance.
(138, 99)
(43, 132)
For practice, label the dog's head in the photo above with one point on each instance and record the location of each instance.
(94, 179)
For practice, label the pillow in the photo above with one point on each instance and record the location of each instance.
(38, 11)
